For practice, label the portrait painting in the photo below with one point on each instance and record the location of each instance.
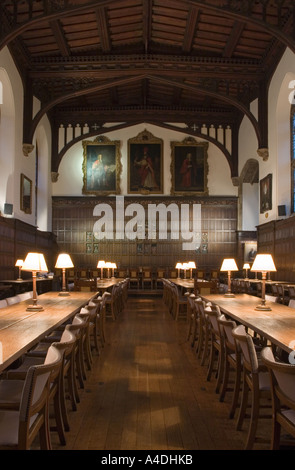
(145, 164)
(101, 166)
(250, 251)
(189, 167)
(266, 194)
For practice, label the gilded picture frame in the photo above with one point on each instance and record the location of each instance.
(25, 194)
(145, 164)
(266, 193)
(101, 166)
(189, 167)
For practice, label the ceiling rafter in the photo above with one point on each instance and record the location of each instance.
(233, 38)
(102, 23)
(60, 38)
(192, 22)
(227, 8)
(165, 81)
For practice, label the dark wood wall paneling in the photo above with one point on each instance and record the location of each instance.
(278, 238)
(17, 239)
(73, 223)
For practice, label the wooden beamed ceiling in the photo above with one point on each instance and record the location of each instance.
(147, 60)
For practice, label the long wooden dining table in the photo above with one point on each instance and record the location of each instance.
(20, 329)
(276, 325)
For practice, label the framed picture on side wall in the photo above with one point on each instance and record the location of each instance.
(101, 166)
(145, 164)
(266, 194)
(189, 167)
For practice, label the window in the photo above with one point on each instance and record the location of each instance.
(293, 158)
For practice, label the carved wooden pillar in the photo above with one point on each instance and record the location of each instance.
(28, 116)
(263, 119)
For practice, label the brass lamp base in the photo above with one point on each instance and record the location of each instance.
(229, 294)
(35, 308)
(63, 293)
(263, 307)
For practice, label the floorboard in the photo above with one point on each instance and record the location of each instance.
(148, 391)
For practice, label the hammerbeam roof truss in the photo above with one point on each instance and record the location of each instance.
(147, 60)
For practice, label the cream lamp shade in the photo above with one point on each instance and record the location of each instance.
(19, 264)
(263, 263)
(229, 264)
(63, 262)
(35, 262)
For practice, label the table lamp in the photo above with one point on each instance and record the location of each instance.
(19, 264)
(263, 263)
(101, 265)
(109, 266)
(246, 267)
(35, 262)
(114, 266)
(191, 265)
(63, 262)
(229, 265)
(178, 267)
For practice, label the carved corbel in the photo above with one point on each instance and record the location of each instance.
(54, 176)
(28, 148)
(263, 153)
(236, 180)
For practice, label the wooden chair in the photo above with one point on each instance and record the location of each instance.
(291, 292)
(179, 303)
(13, 300)
(84, 285)
(134, 278)
(200, 274)
(204, 331)
(282, 379)
(205, 287)
(147, 279)
(57, 389)
(173, 274)
(214, 275)
(27, 418)
(112, 303)
(159, 278)
(190, 314)
(255, 379)
(232, 361)
(216, 346)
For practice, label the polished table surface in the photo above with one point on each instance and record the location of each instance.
(108, 282)
(186, 283)
(20, 329)
(277, 325)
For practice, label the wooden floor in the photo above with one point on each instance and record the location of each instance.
(147, 391)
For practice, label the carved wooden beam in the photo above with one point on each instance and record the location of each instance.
(103, 29)
(239, 10)
(238, 104)
(60, 38)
